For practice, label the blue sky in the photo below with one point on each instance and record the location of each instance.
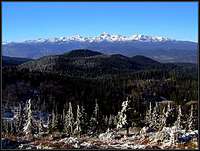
(32, 20)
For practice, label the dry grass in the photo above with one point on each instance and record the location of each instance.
(49, 142)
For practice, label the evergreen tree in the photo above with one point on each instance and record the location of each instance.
(115, 121)
(64, 114)
(122, 115)
(18, 119)
(162, 119)
(191, 119)
(106, 121)
(178, 121)
(96, 111)
(77, 130)
(94, 119)
(48, 124)
(40, 124)
(148, 117)
(84, 120)
(28, 126)
(111, 121)
(53, 119)
(69, 121)
(168, 114)
(155, 117)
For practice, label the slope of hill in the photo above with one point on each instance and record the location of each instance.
(8, 61)
(144, 60)
(82, 53)
(91, 63)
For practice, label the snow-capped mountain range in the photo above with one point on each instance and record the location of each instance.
(102, 37)
(158, 48)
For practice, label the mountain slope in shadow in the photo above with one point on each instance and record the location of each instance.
(84, 62)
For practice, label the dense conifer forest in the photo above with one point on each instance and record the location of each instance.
(84, 92)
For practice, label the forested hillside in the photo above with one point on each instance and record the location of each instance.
(90, 81)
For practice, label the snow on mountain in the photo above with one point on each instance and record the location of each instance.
(156, 47)
(4, 42)
(103, 37)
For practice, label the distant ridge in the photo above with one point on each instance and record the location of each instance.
(102, 37)
(158, 48)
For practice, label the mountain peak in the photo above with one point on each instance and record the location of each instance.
(105, 36)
